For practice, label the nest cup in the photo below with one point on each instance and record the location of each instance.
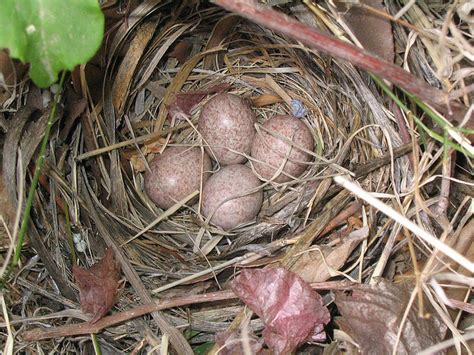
(277, 77)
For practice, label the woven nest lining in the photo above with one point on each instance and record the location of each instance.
(269, 71)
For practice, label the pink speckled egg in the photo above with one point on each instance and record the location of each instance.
(227, 185)
(175, 174)
(270, 151)
(227, 122)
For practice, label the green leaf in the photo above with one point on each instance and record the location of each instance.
(52, 35)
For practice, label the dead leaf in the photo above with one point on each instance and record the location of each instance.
(373, 31)
(99, 286)
(154, 147)
(292, 311)
(265, 100)
(318, 265)
(223, 28)
(371, 315)
(127, 68)
(184, 102)
(181, 51)
(138, 163)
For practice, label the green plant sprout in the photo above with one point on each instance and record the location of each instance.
(442, 138)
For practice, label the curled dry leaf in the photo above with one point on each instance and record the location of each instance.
(99, 286)
(318, 265)
(292, 311)
(371, 315)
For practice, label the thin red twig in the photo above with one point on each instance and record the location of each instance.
(138, 311)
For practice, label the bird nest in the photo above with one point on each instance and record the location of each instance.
(212, 53)
(168, 72)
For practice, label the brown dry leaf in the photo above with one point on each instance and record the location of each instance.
(7, 69)
(154, 147)
(265, 100)
(371, 315)
(184, 102)
(181, 51)
(316, 265)
(127, 68)
(372, 31)
(292, 311)
(10, 72)
(224, 27)
(138, 163)
(99, 286)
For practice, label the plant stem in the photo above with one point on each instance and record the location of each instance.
(96, 344)
(39, 164)
(429, 112)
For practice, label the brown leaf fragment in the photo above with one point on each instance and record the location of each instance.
(223, 28)
(371, 315)
(99, 286)
(122, 82)
(317, 265)
(184, 102)
(292, 311)
(373, 31)
(181, 51)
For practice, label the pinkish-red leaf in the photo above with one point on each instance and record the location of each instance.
(371, 315)
(99, 286)
(291, 310)
(184, 102)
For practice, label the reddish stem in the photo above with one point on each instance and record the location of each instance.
(88, 328)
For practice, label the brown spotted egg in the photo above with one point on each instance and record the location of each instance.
(226, 196)
(270, 151)
(175, 174)
(226, 124)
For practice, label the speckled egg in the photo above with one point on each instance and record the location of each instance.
(227, 185)
(227, 122)
(270, 151)
(175, 174)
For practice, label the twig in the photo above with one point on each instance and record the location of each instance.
(342, 216)
(87, 327)
(313, 38)
(138, 311)
(443, 203)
